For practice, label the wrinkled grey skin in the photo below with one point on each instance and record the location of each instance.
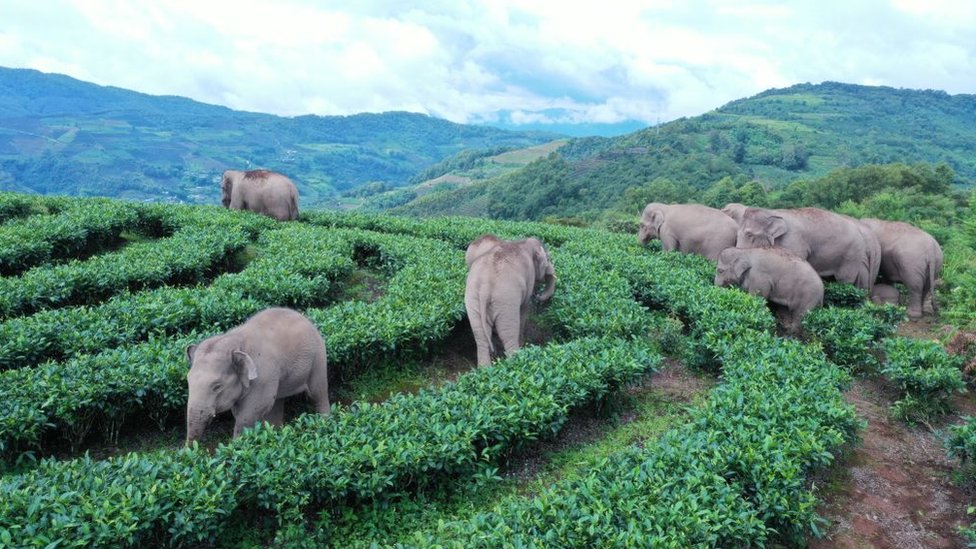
(261, 191)
(911, 256)
(688, 228)
(502, 277)
(479, 247)
(776, 274)
(252, 368)
(883, 294)
(734, 210)
(835, 245)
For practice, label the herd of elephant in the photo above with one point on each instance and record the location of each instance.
(781, 255)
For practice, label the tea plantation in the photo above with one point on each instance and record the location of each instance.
(100, 298)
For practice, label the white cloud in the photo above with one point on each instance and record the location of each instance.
(467, 60)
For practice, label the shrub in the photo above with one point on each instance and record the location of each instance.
(925, 375)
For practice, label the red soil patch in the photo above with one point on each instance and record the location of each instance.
(895, 488)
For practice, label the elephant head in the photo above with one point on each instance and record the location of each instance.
(651, 220)
(544, 270)
(759, 228)
(731, 268)
(220, 375)
(734, 210)
(480, 246)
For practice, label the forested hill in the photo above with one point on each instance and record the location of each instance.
(62, 135)
(774, 138)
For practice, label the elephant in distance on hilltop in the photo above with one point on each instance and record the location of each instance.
(260, 191)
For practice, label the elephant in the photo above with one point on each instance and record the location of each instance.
(688, 228)
(835, 245)
(261, 191)
(911, 256)
(775, 274)
(252, 368)
(734, 210)
(883, 294)
(502, 277)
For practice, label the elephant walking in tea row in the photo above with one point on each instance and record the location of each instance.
(260, 191)
(252, 368)
(775, 274)
(502, 278)
(688, 228)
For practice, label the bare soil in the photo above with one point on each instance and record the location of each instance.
(896, 488)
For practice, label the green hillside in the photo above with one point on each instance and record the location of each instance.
(774, 138)
(61, 135)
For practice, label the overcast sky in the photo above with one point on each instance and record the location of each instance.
(486, 61)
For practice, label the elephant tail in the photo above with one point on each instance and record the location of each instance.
(293, 207)
(485, 325)
(928, 288)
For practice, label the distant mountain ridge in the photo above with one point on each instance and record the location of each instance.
(66, 136)
(774, 138)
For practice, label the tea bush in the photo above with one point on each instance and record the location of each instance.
(40, 239)
(925, 375)
(189, 256)
(853, 338)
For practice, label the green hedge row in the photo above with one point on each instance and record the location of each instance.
(145, 499)
(926, 377)
(734, 476)
(287, 275)
(854, 338)
(150, 378)
(529, 371)
(457, 231)
(40, 239)
(420, 306)
(189, 256)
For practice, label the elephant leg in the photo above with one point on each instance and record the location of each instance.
(276, 416)
(523, 317)
(508, 324)
(318, 390)
(916, 294)
(669, 243)
(914, 303)
(482, 340)
(244, 419)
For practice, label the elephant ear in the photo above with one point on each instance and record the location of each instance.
(739, 268)
(775, 227)
(246, 370)
(539, 256)
(190, 350)
(656, 219)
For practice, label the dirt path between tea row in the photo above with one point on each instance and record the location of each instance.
(896, 488)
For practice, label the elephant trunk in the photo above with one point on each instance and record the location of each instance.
(197, 420)
(550, 287)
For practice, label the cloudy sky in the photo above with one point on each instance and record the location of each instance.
(609, 62)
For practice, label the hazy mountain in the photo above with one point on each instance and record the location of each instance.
(773, 138)
(62, 135)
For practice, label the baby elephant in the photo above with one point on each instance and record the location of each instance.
(777, 275)
(250, 370)
(885, 293)
(502, 276)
